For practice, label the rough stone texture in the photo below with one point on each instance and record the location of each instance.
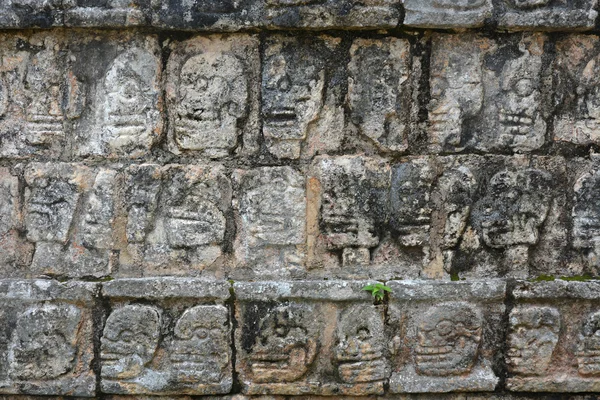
(166, 336)
(546, 14)
(444, 335)
(106, 13)
(560, 319)
(317, 338)
(212, 95)
(31, 13)
(446, 13)
(47, 338)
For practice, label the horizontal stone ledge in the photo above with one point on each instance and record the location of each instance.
(46, 290)
(162, 288)
(493, 289)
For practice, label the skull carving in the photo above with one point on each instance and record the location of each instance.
(449, 336)
(200, 351)
(359, 352)
(588, 352)
(129, 341)
(532, 339)
(586, 212)
(285, 348)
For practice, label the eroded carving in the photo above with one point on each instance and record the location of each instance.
(43, 342)
(360, 349)
(129, 340)
(532, 339)
(377, 90)
(285, 348)
(586, 212)
(588, 350)
(142, 189)
(97, 224)
(449, 337)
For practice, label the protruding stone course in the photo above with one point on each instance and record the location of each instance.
(302, 88)
(217, 15)
(31, 14)
(379, 91)
(444, 336)
(166, 336)
(546, 14)
(271, 216)
(105, 14)
(309, 337)
(212, 94)
(47, 343)
(559, 318)
(120, 102)
(446, 13)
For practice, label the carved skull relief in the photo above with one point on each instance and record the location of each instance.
(586, 214)
(99, 208)
(359, 352)
(200, 350)
(588, 351)
(213, 97)
(129, 341)
(43, 342)
(449, 336)
(532, 339)
(285, 349)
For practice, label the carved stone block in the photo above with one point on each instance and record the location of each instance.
(47, 345)
(586, 215)
(106, 13)
(69, 213)
(489, 95)
(302, 86)
(444, 335)
(212, 95)
(553, 337)
(176, 217)
(577, 90)
(379, 91)
(546, 14)
(309, 337)
(166, 336)
(119, 102)
(30, 13)
(446, 13)
(271, 216)
(35, 101)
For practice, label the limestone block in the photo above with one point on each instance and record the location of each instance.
(489, 95)
(379, 91)
(309, 337)
(69, 242)
(212, 95)
(445, 335)
(213, 15)
(302, 88)
(271, 221)
(176, 217)
(47, 344)
(558, 319)
(35, 103)
(576, 92)
(446, 13)
(106, 13)
(119, 101)
(166, 336)
(30, 13)
(546, 14)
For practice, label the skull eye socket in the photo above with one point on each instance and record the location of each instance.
(444, 328)
(201, 333)
(127, 336)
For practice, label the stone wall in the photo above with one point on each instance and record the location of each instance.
(193, 194)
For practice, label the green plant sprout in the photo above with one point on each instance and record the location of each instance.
(377, 290)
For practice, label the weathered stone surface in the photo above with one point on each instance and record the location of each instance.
(546, 14)
(302, 88)
(176, 217)
(495, 98)
(218, 15)
(379, 91)
(309, 337)
(271, 221)
(30, 13)
(560, 320)
(34, 95)
(177, 342)
(444, 335)
(212, 94)
(47, 340)
(106, 13)
(446, 13)
(69, 214)
(576, 91)
(119, 102)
